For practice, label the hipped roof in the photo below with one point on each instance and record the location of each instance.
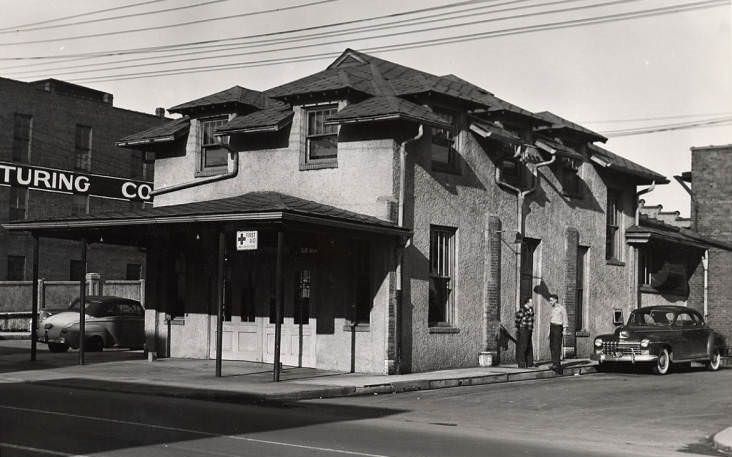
(386, 108)
(268, 120)
(622, 165)
(165, 133)
(236, 95)
(560, 123)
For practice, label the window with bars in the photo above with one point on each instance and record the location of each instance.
(647, 266)
(614, 218)
(442, 277)
(214, 154)
(83, 147)
(322, 139)
(444, 154)
(16, 268)
(18, 204)
(22, 128)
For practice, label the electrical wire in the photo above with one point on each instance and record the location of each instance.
(389, 25)
(655, 118)
(421, 43)
(113, 18)
(167, 26)
(88, 13)
(668, 127)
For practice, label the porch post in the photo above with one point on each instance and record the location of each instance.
(279, 295)
(82, 302)
(34, 309)
(220, 302)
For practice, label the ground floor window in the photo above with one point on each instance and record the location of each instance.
(134, 272)
(442, 276)
(75, 270)
(302, 297)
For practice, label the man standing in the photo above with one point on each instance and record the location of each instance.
(557, 329)
(524, 328)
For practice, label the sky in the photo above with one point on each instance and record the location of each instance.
(659, 69)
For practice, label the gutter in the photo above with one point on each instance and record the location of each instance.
(200, 182)
(400, 252)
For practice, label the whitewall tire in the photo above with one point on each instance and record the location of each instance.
(663, 363)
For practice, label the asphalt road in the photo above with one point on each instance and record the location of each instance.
(598, 415)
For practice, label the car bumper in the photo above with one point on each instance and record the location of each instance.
(51, 339)
(631, 358)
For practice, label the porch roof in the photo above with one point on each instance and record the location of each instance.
(654, 229)
(252, 207)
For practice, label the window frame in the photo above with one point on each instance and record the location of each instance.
(614, 227)
(221, 144)
(313, 163)
(443, 239)
(21, 195)
(19, 139)
(83, 152)
(452, 134)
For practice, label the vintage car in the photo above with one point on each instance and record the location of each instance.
(109, 322)
(660, 336)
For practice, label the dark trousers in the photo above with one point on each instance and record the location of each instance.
(555, 344)
(524, 348)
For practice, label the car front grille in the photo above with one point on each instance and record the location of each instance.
(613, 347)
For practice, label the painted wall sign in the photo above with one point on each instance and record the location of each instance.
(246, 241)
(73, 182)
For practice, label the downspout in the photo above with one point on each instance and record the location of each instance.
(400, 252)
(636, 256)
(520, 197)
(200, 182)
(695, 222)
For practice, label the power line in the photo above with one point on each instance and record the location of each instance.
(654, 118)
(169, 47)
(422, 43)
(395, 24)
(89, 13)
(167, 26)
(669, 127)
(113, 18)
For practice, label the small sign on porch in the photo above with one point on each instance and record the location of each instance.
(246, 241)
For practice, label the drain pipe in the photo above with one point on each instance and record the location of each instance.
(200, 182)
(520, 197)
(400, 253)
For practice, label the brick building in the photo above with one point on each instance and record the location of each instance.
(379, 218)
(56, 132)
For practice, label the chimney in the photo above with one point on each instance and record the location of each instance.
(160, 112)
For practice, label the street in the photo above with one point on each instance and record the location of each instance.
(629, 413)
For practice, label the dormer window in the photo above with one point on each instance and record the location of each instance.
(444, 153)
(511, 171)
(214, 156)
(322, 139)
(568, 175)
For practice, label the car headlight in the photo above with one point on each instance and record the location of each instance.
(645, 342)
(598, 342)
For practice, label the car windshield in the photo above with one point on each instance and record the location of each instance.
(92, 308)
(651, 318)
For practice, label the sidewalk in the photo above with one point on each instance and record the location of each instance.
(250, 381)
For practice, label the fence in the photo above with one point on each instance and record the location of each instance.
(16, 297)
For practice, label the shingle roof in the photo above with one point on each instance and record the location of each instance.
(234, 95)
(625, 166)
(268, 120)
(263, 204)
(560, 149)
(558, 123)
(386, 107)
(662, 230)
(487, 129)
(165, 133)
(357, 78)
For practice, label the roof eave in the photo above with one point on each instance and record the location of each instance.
(385, 117)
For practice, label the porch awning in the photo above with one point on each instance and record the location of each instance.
(653, 229)
(251, 207)
(166, 133)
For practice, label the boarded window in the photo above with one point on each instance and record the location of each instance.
(22, 126)
(83, 148)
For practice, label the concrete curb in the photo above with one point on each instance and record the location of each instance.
(15, 335)
(308, 393)
(723, 441)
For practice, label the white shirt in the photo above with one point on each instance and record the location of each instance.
(559, 315)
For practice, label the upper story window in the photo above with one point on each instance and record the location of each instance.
(614, 221)
(569, 178)
(18, 203)
(512, 171)
(444, 154)
(22, 128)
(214, 156)
(442, 277)
(322, 139)
(83, 147)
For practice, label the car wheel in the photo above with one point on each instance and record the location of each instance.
(58, 347)
(715, 360)
(94, 344)
(663, 363)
